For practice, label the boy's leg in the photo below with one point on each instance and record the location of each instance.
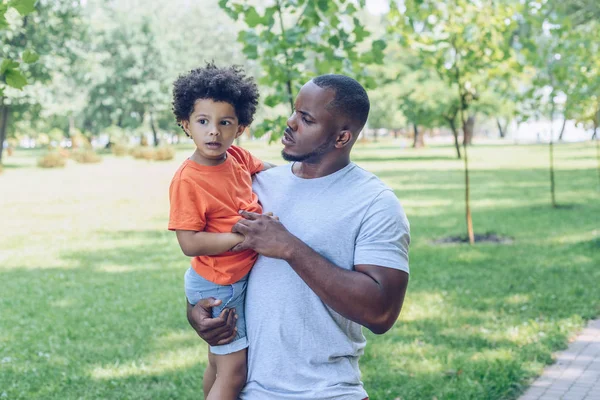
(210, 374)
(231, 376)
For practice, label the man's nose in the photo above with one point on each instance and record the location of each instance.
(292, 122)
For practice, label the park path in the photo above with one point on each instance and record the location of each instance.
(576, 373)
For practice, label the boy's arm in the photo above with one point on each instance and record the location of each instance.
(195, 244)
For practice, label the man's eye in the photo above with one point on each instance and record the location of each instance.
(306, 121)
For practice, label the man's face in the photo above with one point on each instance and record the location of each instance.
(311, 130)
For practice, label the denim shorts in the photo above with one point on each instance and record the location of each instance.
(232, 296)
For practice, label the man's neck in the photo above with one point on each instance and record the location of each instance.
(319, 168)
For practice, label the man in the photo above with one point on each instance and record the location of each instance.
(336, 260)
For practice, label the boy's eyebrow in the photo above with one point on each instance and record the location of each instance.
(206, 115)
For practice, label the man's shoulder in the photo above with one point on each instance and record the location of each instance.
(363, 181)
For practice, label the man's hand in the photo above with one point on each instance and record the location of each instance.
(264, 234)
(214, 331)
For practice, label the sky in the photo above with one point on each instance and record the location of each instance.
(378, 7)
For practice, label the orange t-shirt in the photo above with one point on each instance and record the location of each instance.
(208, 198)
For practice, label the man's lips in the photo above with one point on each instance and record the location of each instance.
(288, 136)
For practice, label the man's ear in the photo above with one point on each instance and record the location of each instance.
(343, 139)
(240, 130)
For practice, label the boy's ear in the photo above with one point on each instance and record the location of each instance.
(240, 130)
(185, 124)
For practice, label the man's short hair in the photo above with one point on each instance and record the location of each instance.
(351, 99)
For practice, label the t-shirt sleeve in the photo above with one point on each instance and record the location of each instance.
(243, 156)
(384, 234)
(187, 207)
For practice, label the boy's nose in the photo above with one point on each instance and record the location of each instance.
(214, 131)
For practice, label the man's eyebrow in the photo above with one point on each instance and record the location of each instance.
(305, 113)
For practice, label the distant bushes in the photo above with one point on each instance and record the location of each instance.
(119, 150)
(86, 156)
(162, 153)
(52, 160)
(57, 158)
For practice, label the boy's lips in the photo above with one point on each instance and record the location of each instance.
(213, 145)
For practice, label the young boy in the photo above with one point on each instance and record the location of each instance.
(214, 106)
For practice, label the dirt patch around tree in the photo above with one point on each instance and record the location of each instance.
(484, 238)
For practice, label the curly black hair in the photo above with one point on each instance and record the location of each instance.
(228, 84)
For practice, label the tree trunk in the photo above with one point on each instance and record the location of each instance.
(470, 231)
(597, 152)
(395, 133)
(418, 140)
(455, 134)
(71, 125)
(375, 135)
(153, 127)
(468, 127)
(500, 130)
(551, 148)
(562, 129)
(3, 125)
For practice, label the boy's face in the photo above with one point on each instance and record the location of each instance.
(213, 126)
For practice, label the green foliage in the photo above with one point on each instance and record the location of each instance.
(10, 72)
(464, 42)
(295, 40)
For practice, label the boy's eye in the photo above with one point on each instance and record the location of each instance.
(225, 122)
(203, 121)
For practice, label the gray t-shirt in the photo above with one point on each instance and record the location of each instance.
(299, 347)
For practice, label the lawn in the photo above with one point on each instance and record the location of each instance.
(92, 306)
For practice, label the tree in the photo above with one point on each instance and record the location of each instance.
(294, 40)
(50, 31)
(464, 41)
(15, 56)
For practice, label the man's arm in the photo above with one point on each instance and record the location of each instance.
(195, 244)
(370, 295)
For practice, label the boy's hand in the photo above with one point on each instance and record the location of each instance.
(214, 331)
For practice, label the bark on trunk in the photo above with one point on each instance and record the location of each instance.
(562, 129)
(154, 131)
(455, 134)
(468, 127)
(501, 131)
(418, 139)
(3, 125)
(551, 148)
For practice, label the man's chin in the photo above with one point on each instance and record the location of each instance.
(292, 157)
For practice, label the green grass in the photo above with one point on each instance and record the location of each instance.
(92, 306)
